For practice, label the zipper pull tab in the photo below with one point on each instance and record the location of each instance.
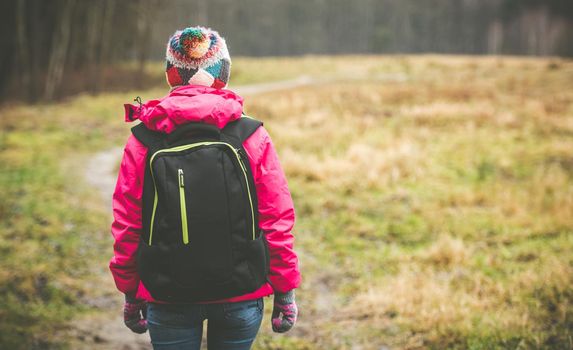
(181, 178)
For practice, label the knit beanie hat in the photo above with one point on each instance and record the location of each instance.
(197, 55)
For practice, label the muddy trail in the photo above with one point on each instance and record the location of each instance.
(104, 328)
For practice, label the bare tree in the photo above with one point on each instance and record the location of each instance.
(105, 41)
(58, 54)
(94, 19)
(22, 47)
(146, 11)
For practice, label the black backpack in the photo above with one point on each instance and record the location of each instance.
(201, 239)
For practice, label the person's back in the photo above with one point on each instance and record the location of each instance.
(198, 69)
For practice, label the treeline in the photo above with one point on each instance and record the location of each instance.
(49, 48)
(293, 27)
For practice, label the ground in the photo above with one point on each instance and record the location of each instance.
(434, 197)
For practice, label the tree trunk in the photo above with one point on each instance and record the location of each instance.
(495, 37)
(22, 49)
(202, 12)
(93, 38)
(59, 50)
(105, 40)
(146, 11)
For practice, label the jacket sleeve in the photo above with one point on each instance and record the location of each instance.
(276, 212)
(126, 226)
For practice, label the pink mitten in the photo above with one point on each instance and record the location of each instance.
(135, 314)
(284, 312)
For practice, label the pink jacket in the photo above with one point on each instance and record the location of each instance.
(276, 212)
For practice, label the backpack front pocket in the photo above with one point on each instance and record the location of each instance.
(183, 152)
(204, 212)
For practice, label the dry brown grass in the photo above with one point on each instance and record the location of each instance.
(437, 208)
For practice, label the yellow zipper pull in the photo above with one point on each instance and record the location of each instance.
(181, 178)
(183, 207)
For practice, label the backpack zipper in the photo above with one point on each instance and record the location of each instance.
(186, 147)
(244, 168)
(183, 206)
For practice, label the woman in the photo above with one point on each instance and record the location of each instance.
(198, 69)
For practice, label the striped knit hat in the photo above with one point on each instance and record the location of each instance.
(197, 55)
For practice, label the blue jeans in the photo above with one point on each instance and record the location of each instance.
(230, 326)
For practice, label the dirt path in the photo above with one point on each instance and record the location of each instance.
(105, 329)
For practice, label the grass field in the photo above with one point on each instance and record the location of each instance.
(434, 197)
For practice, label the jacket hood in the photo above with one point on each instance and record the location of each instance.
(188, 103)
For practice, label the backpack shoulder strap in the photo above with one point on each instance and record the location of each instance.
(149, 138)
(236, 132)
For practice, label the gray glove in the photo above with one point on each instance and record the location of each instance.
(284, 312)
(135, 314)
